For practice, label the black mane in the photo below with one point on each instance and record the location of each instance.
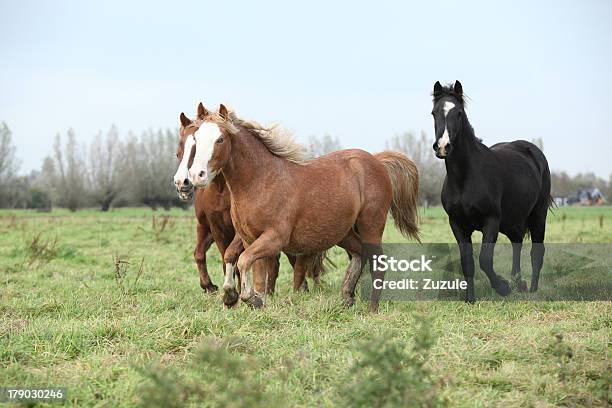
(447, 90)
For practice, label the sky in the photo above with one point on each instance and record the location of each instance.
(360, 71)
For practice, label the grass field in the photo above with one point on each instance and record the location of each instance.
(147, 335)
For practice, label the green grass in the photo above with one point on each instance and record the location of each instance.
(67, 319)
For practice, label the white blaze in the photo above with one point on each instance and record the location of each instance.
(183, 170)
(445, 139)
(205, 138)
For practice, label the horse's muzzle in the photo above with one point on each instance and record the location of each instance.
(442, 152)
(185, 193)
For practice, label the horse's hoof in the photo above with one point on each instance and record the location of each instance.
(210, 288)
(470, 300)
(348, 302)
(373, 308)
(255, 302)
(522, 285)
(230, 298)
(503, 287)
(533, 288)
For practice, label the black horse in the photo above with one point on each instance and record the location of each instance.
(503, 188)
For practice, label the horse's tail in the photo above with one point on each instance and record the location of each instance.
(404, 177)
(315, 265)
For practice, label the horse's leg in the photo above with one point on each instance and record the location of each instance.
(263, 269)
(464, 240)
(371, 225)
(230, 258)
(273, 274)
(352, 244)
(299, 274)
(204, 241)
(293, 261)
(517, 246)
(537, 228)
(490, 230)
(268, 244)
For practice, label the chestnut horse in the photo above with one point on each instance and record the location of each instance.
(212, 208)
(283, 202)
(212, 211)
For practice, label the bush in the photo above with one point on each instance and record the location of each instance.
(219, 379)
(386, 375)
(39, 200)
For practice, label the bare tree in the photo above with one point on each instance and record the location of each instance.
(8, 166)
(106, 162)
(431, 169)
(66, 173)
(319, 147)
(150, 165)
(538, 141)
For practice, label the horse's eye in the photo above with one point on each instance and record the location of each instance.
(220, 140)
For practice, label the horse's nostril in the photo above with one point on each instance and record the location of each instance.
(186, 182)
(202, 173)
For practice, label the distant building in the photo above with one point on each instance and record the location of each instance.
(584, 196)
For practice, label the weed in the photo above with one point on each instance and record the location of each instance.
(563, 352)
(41, 250)
(159, 226)
(220, 379)
(386, 375)
(121, 269)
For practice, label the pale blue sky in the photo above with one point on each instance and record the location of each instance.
(362, 71)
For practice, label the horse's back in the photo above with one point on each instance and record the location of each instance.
(525, 150)
(358, 165)
(526, 176)
(515, 156)
(332, 190)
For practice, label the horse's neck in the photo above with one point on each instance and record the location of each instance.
(249, 164)
(465, 156)
(219, 183)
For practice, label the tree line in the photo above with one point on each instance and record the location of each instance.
(137, 171)
(109, 172)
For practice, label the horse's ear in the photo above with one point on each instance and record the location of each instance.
(202, 112)
(223, 112)
(437, 87)
(185, 121)
(458, 88)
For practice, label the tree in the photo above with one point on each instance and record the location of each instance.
(66, 172)
(8, 166)
(327, 144)
(106, 163)
(30, 193)
(431, 169)
(150, 166)
(538, 141)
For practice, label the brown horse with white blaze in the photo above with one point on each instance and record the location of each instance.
(283, 202)
(212, 211)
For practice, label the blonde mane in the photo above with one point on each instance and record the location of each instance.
(277, 140)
